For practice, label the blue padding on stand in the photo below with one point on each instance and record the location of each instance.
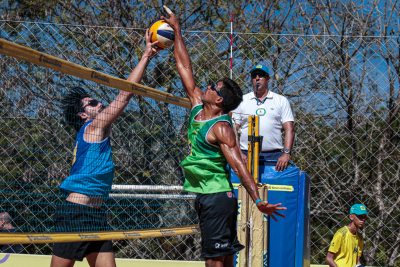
(284, 187)
(303, 222)
(288, 241)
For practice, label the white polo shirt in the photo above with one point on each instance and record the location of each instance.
(273, 113)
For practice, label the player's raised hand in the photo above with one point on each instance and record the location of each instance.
(172, 21)
(271, 209)
(151, 48)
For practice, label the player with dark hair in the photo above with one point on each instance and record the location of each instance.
(212, 145)
(92, 171)
(72, 107)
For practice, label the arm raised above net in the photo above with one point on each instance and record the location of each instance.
(110, 114)
(183, 63)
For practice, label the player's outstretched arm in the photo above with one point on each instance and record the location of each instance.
(224, 135)
(183, 63)
(110, 114)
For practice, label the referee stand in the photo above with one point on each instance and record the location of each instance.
(270, 243)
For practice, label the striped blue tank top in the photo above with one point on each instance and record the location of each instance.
(92, 168)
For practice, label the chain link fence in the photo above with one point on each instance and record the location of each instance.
(344, 91)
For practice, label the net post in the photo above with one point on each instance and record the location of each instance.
(265, 228)
(242, 226)
(250, 146)
(259, 237)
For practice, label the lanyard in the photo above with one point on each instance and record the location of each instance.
(260, 102)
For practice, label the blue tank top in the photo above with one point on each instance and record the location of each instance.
(92, 168)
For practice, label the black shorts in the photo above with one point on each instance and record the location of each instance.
(72, 217)
(218, 215)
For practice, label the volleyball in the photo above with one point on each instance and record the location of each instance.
(163, 33)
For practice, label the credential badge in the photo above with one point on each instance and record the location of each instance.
(260, 112)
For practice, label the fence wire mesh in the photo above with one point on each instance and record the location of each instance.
(344, 91)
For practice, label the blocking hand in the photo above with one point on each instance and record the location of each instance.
(172, 21)
(271, 209)
(150, 50)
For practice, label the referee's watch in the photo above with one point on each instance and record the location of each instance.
(286, 150)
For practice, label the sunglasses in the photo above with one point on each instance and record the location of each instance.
(213, 87)
(361, 217)
(92, 103)
(259, 74)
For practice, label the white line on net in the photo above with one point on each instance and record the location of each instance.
(157, 188)
(153, 196)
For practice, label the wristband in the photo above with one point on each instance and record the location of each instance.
(257, 201)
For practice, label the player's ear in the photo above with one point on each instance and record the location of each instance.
(83, 115)
(351, 216)
(218, 101)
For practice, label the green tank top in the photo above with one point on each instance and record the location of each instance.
(205, 167)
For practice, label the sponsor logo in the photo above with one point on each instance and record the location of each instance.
(239, 218)
(218, 245)
(265, 257)
(236, 186)
(138, 89)
(229, 194)
(174, 99)
(167, 232)
(42, 237)
(88, 236)
(260, 112)
(50, 61)
(355, 250)
(126, 234)
(190, 148)
(362, 207)
(99, 77)
(3, 260)
(75, 150)
(195, 229)
(287, 188)
(259, 67)
(265, 218)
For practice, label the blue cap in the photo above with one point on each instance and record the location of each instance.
(260, 67)
(358, 209)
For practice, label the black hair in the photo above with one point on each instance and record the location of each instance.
(232, 95)
(72, 105)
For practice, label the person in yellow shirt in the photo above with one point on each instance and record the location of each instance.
(347, 244)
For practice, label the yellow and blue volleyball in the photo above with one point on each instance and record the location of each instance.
(163, 33)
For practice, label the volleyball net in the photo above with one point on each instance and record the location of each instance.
(148, 142)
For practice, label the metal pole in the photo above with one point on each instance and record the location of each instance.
(256, 148)
(231, 40)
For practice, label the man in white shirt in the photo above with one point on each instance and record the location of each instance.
(274, 112)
